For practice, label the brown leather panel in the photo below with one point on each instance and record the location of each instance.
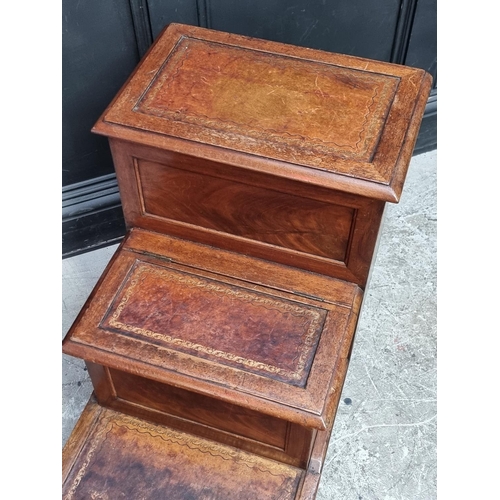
(286, 102)
(256, 332)
(126, 457)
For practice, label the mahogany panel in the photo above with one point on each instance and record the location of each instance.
(202, 409)
(266, 215)
(202, 415)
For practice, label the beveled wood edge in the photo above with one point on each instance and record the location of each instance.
(313, 176)
(318, 453)
(115, 361)
(218, 170)
(403, 162)
(342, 363)
(281, 48)
(338, 379)
(79, 435)
(97, 286)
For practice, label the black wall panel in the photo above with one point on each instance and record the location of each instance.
(422, 49)
(362, 28)
(99, 53)
(162, 13)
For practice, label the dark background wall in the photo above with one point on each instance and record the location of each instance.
(103, 40)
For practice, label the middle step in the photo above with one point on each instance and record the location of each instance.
(218, 344)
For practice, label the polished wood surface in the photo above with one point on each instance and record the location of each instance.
(203, 416)
(256, 213)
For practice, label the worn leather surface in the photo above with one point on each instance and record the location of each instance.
(282, 101)
(230, 325)
(129, 458)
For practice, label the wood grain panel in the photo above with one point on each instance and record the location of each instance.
(202, 409)
(202, 415)
(303, 224)
(366, 216)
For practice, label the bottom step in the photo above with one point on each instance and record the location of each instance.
(111, 455)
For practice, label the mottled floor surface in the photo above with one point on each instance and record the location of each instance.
(383, 445)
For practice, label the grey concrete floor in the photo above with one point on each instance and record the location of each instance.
(383, 445)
